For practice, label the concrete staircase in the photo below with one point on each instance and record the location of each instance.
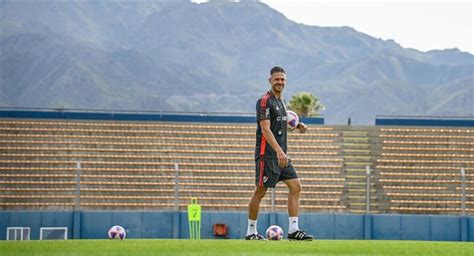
(357, 156)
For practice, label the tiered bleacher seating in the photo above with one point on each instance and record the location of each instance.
(419, 169)
(131, 165)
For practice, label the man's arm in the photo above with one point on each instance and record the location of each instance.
(267, 133)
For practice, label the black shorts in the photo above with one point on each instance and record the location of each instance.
(272, 173)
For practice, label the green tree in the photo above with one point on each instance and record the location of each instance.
(305, 104)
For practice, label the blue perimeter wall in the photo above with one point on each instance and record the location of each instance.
(148, 224)
(70, 115)
(425, 122)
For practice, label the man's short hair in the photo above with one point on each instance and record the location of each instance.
(277, 69)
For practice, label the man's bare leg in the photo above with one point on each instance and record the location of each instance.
(294, 187)
(254, 207)
(294, 232)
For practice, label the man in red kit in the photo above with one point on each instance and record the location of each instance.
(271, 162)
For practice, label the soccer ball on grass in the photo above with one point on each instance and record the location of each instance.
(117, 232)
(274, 232)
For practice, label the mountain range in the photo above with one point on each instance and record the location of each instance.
(215, 57)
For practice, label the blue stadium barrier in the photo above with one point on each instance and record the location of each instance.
(419, 121)
(70, 115)
(148, 224)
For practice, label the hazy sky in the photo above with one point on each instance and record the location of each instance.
(420, 24)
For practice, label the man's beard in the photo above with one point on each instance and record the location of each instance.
(277, 88)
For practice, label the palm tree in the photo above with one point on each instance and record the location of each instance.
(305, 104)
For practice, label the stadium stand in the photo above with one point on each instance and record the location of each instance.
(59, 164)
(419, 169)
(131, 165)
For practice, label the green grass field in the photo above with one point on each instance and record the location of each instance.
(232, 247)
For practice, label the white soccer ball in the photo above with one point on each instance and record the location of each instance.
(274, 232)
(292, 120)
(117, 232)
